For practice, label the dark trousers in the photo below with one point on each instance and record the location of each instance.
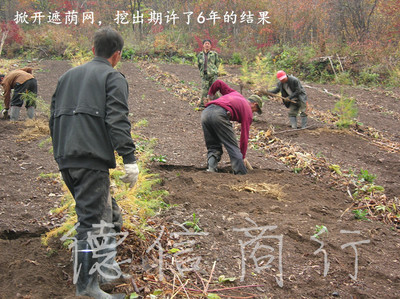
(20, 89)
(218, 131)
(91, 191)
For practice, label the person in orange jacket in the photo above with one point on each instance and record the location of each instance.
(21, 81)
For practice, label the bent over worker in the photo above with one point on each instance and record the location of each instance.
(89, 120)
(21, 81)
(217, 127)
(291, 88)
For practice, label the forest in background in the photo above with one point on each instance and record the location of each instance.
(346, 41)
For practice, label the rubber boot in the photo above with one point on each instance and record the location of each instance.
(110, 272)
(87, 284)
(14, 113)
(4, 114)
(293, 122)
(212, 164)
(304, 122)
(30, 111)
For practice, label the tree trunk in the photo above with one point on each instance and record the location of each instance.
(3, 40)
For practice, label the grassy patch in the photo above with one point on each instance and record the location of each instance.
(137, 203)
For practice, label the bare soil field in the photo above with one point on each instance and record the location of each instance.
(261, 237)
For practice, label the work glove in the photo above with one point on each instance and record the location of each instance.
(247, 164)
(131, 174)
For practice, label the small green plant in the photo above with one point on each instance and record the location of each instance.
(320, 229)
(174, 250)
(347, 111)
(29, 98)
(344, 78)
(335, 168)
(161, 158)
(365, 176)
(193, 224)
(361, 214)
(44, 142)
(49, 175)
(368, 78)
(32, 99)
(51, 252)
(128, 53)
(222, 279)
(141, 123)
(297, 169)
(236, 59)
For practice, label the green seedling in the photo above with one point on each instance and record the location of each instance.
(297, 169)
(365, 176)
(223, 279)
(320, 229)
(335, 168)
(174, 250)
(347, 111)
(193, 224)
(161, 158)
(133, 295)
(361, 214)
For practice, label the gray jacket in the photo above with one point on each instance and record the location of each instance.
(295, 86)
(89, 117)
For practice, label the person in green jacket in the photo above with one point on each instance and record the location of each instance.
(208, 63)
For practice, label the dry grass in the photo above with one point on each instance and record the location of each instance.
(6, 65)
(273, 190)
(34, 129)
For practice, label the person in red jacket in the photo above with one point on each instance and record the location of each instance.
(216, 123)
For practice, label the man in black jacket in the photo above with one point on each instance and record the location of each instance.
(291, 88)
(89, 120)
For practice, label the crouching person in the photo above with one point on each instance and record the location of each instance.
(21, 81)
(217, 127)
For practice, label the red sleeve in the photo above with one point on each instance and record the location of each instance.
(220, 86)
(244, 136)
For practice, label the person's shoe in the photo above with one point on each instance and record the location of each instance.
(304, 122)
(293, 122)
(212, 164)
(14, 113)
(109, 269)
(87, 283)
(30, 111)
(4, 114)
